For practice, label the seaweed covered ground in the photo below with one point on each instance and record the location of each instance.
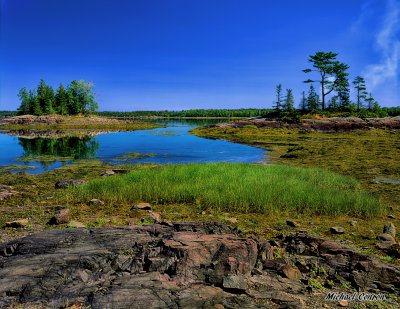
(370, 156)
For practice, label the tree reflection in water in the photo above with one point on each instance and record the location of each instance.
(47, 151)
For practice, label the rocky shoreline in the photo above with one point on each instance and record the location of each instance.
(328, 125)
(185, 265)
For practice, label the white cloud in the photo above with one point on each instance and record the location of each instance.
(388, 45)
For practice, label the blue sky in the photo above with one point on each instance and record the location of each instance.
(180, 54)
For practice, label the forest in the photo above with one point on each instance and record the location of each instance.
(76, 98)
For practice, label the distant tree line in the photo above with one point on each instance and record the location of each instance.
(332, 79)
(223, 113)
(76, 98)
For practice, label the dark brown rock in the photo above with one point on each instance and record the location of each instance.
(60, 217)
(69, 182)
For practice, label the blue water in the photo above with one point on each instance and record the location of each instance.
(172, 144)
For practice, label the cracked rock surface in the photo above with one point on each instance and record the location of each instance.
(182, 265)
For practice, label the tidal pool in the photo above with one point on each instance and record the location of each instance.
(172, 144)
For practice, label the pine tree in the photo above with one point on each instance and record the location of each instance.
(333, 104)
(48, 100)
(312, 99)
(359, 84)
(25, 104)
(288, 104)
(331, 72)
(61, 101)
(35, 103)
(303, 102)
(370, 102)
(278, 102)
(41, 94)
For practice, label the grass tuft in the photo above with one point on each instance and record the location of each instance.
(237, 187)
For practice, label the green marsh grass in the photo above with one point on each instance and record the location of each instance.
(236, 187)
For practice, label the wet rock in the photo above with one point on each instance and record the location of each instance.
(353, 223)
(60, 217)
(337, 230)
(70, 182)
(390, 229)
(142, 206)
(292, 223)
(96, 202)
(17, 223)
(385, 237)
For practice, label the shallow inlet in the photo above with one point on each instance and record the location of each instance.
(173, 145)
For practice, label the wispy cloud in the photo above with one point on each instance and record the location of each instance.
(388, 45)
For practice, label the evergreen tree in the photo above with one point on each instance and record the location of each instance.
(331, 71)
(303, 102)
(278, 102)
(48, 100)
(288, 104)
(370, 101)
(35, 104)
(359, 84)
(333, 103)
(25, 103)
(41, 95)
(312, 99)
(61, 101)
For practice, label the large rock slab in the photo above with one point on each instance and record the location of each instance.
(179, 265)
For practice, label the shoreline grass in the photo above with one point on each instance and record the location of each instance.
(236, 187)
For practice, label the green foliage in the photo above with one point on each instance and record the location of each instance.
(77, 99)
(288, 103)
(313, 102)
(332, 73)
(359, 84)
(220, 113)
(278, 103)
(239, 187)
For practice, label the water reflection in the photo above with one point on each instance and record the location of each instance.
(47, 151)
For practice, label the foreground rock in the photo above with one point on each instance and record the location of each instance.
(61, 216)
(69, 182)
(180, 265)
(6, 191)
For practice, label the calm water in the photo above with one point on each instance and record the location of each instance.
(172, 144)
